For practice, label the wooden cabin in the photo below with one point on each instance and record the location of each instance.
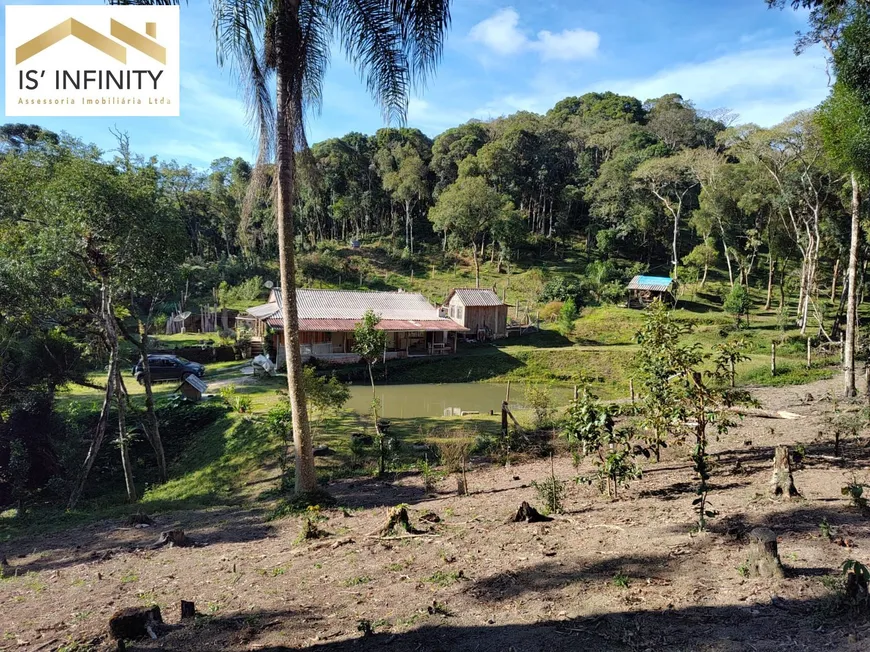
(643, 290)
(327, 319)
(482, 312)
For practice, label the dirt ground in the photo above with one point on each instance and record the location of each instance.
(622, 575)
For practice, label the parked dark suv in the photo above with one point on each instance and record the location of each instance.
(168, 367)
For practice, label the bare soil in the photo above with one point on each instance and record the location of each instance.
(607, 575)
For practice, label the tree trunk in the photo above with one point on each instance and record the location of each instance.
(771, 274)
(851, 306)
(704, 277)
(100, 431)
(476, 265)
(289, 120)
(834, 279)
(126, 465)
(150, 413)
(781, 482)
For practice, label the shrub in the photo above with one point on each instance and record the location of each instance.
(738, 302)
(551, 311)
(540, 401)
(561, 289)
(567, 316)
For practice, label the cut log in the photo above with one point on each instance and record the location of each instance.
(134, 623)
(174, 538)
(398, 517)
(782, 482)
(763, 554)
(527, 513)
(188, 610)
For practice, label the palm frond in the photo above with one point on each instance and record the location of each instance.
(239, 27)
(393, 44)
(423, 25)
(372, 38)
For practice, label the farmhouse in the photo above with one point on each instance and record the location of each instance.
(327, 318)
(643, 290)
(482, 312)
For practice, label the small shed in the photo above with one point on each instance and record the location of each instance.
(643, 290)
(482, 312)
(192, 388)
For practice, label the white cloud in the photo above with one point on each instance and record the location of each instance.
(501, 34)
(567, 45)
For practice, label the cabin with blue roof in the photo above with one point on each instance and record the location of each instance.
(643, 290)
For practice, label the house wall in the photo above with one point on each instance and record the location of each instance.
(493, 318)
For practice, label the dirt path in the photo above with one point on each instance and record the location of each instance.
(623, 575)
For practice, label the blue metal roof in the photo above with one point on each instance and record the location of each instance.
(654, 283)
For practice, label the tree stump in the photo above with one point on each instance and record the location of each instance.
(174, 538)
(4, 567)
(856, 588)
(527, 513)
(763, 554)
(139, 519)
(398, 517)
(188, 610)
(782, 482)
(134, 623)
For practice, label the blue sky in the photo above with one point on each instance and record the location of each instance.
(502, 57)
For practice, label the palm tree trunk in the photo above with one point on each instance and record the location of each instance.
(287, 82)
(851, 307)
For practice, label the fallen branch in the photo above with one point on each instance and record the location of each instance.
(765, 414)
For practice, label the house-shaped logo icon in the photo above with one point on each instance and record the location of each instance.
(144, 43)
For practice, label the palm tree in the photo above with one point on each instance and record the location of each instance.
(393, 44)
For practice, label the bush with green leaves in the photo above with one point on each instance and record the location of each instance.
(567, 316)
(738, 302)
(235, 401)
(590, 430)
(539, 399)
(562, 288)
(727, 355)
(679, 402)
(551, 492)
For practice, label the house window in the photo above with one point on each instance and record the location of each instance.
(458, 312)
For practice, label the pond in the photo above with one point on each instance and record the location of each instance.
(448, 399)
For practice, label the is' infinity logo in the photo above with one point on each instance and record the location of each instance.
(72, 27)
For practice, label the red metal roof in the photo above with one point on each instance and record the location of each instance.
(346, 325)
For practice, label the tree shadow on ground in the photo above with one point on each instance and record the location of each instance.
(114, 537)
(696, 307)
(546, 576)
(761, 627)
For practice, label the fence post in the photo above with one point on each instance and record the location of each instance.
(809, 352)
(773, 358)
(631, 389)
